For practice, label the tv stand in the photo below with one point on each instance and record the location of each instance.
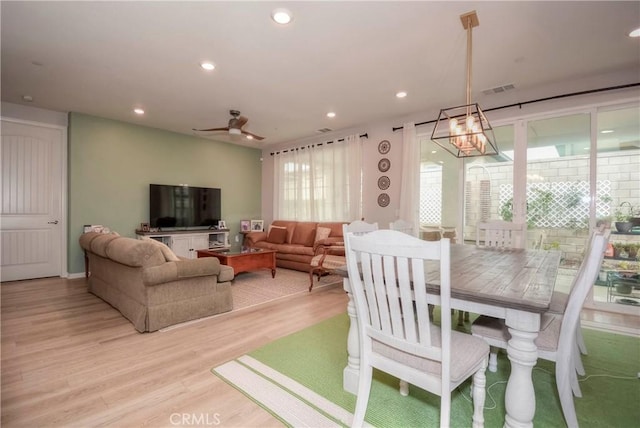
(186, 243)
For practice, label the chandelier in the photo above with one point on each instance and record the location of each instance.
(464, 131)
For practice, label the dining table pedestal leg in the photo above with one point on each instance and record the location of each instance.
(520, 398)
(351, 372)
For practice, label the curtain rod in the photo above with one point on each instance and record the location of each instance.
(365, 135)
(554, 97)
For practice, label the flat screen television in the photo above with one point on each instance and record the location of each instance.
(182, 207)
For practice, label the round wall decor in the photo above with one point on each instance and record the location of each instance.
(384, 146)
(383, 199)
(384, 182)
(384, 165)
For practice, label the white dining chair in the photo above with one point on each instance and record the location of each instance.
(560, 300)
(402, 226)
(329, 257)
(498, 234)
(388, 274)
(556, 339)
(501, 234)
(358, 227)
(436, 233)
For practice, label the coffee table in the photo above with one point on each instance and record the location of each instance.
(243, 259)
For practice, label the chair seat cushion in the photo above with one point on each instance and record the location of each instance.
(558, 302)
(496, 329)
(466, 352)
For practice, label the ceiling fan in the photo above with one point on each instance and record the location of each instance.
(235, 126)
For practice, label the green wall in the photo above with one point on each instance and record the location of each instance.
(111, 165)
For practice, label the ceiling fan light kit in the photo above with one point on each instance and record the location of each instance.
(464, 131)
(234, 127)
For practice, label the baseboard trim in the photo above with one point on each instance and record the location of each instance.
(75, 275)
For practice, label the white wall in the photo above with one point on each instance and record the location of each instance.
(382, 130)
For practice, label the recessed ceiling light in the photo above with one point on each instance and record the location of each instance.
(331, 114)
(401, 94)
(281, 16)
(27, 98)
(138, 111)
(606, 131)
(635, 33)
(207, 66)
(249, 137)
(434, 151)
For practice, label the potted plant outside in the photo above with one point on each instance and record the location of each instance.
(635, 217)
(619, 250)
(623, 218)
(633, 250)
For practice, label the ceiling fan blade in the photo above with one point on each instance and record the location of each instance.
(241, 121)
(212, 129)
(255, 137)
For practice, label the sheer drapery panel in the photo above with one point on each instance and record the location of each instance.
(319, 183)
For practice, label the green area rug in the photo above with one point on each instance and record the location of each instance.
(299, 380)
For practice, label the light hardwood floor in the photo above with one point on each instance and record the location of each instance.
(70, 360)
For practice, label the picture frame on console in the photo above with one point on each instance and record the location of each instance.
(257, 225)
(222, 224)
(245, 225)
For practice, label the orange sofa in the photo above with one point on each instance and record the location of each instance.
(295, 241)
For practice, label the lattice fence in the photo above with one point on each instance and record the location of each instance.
(431, 196)
(560, 204)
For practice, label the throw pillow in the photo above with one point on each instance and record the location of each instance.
(277, 235)
(322, 233)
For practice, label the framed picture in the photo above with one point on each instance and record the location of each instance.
(257, 225)
(144, 227)
(222, 224)
(245, 225)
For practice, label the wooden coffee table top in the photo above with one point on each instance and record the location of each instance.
(243, 259)
(236, 251)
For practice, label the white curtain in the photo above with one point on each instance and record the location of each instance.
(410, 182)
(319, 183)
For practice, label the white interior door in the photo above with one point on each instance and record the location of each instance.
(31, 222)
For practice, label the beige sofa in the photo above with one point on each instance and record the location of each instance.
(150, 286)
(298, 245)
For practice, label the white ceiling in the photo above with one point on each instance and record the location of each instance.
(105, 58)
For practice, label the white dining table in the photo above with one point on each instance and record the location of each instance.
(512, 284)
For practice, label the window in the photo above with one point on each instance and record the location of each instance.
(617, 196)
(321, 183)
(438, 185)
(486, 178)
